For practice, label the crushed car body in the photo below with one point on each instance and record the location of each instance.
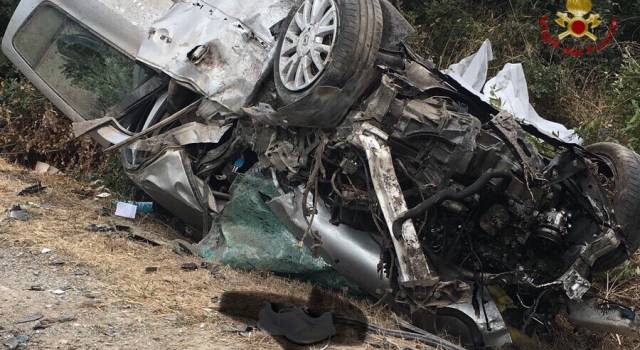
(315, 122)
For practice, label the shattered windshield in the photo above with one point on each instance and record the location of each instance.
(83, 69)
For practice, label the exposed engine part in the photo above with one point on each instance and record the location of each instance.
(552, 227)
(448, 194)
(494, 220)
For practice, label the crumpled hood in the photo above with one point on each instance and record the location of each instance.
(220, 48)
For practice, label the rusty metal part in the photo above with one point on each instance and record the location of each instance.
(413, 268)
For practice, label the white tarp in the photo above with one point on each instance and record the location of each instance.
(508, 87)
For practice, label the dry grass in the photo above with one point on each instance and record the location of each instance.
(120, 263)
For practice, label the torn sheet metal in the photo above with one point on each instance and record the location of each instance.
(602, 316)
(222, 49)
(489, 321)
(508, 89)
(354, 254)
(195, 132)
(106, 131)
(170, 182)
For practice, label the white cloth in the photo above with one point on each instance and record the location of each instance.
(509, 87)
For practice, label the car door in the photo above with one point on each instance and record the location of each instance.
(81, 55)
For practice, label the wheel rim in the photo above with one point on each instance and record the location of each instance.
(308, 44)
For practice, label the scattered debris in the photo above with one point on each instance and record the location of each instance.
(143, 207)
(33, 189)
(108, 228)
(48, 322)
(183, 248)
(30, 318)
(244, 329)
(189, 266)
(18, 213)
(58, 291)
(19, 341)
(213, 269)
(126, 210)
(83, 193)
(100, 228)
(296, 325)
(151, 269)
(56, 263)
(103, 195)
(37, 288)
(45, 251)
(46, 169)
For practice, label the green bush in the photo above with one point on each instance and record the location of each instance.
(591, 93)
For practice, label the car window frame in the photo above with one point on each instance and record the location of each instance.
(28, 8)
(75, 21)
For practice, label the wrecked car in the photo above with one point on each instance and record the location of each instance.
(458, 215)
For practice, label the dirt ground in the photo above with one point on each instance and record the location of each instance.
(65, 287)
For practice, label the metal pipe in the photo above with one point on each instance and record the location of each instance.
(353, 253)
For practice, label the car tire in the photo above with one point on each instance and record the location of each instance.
(622, 168)
(354, 43)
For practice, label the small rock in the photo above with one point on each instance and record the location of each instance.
(19, 341)
(66, 318)
(189, 266)
(81, 272)
(213, 269)
(30, 318)
(91, 295)
(57, 291)
(151, 269)
(42, 324)
(45, 251)
(37, 288)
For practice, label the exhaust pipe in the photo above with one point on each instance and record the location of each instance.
(353, 253)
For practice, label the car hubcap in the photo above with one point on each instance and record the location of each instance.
(308, 44)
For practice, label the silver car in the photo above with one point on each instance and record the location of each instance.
(315, 120)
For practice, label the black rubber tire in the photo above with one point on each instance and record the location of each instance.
(359, 33)
(624, 169)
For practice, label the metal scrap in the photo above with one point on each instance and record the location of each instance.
(18, 213)
(33, 189)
